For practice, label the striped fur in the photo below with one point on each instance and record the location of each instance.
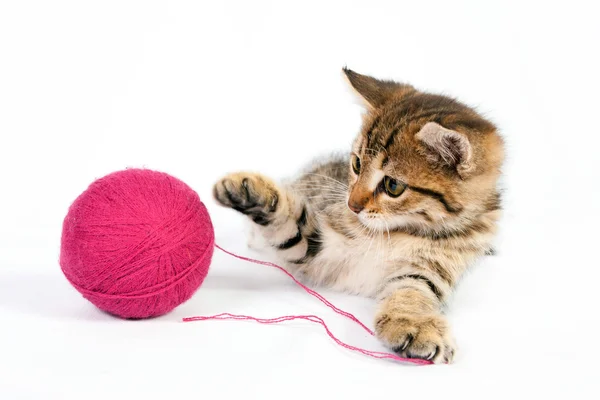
(408, 251)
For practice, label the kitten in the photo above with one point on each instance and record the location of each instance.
(398, 219)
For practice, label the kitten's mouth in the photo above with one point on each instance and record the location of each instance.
(378, 222)
(373, 221)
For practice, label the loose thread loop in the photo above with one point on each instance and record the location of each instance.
(307, 289)
(311, 318)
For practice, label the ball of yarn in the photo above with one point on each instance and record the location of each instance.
(137, 243)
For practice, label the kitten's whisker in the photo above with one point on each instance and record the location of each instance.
(312, 191)
(387, 228)
(384, 250)
(315, 187)
(370, 243)
(329, 178)
(361, 231)
(326, 193)
(330, 197)
(321, 184)
(320, 189)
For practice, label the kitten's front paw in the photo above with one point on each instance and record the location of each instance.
(416, 336)
(250, 194)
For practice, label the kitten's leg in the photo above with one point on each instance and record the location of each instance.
(410, 322)
(279, 216)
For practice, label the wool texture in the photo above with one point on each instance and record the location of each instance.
(137, 243)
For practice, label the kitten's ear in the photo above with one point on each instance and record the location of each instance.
(448, 147)
(374, 91)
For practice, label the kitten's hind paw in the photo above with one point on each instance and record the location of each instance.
(251, 194)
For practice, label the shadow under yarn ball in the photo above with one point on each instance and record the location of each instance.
(137, 243)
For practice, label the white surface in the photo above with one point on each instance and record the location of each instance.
(197, 90)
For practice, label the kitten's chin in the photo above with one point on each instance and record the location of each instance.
(397, 222)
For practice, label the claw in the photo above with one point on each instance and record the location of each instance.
(246, 191)
(434, 353)
(407, 341)
(274, 202)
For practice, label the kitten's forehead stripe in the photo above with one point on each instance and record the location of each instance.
(435, 115)
(381, 159)
(384, 161)
(390, 139)
(371, 129)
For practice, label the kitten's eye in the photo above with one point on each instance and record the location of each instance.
(356, 164)
(393, 187)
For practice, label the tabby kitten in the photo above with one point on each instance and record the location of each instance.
(398, 219)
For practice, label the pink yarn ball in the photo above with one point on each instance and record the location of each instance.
(137, 243)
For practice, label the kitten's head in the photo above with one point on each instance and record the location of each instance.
(421, 161)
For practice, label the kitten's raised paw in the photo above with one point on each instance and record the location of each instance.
(250, 194)
(416, 336)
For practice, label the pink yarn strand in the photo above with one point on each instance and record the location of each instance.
(311, 318)
(307, 289)
(315, 319)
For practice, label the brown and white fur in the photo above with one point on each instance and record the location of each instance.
(400, 218)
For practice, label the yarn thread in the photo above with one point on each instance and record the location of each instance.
(311, 318)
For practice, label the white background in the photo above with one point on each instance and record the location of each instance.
(198, 89)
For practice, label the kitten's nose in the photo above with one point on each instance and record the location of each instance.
(355, 207)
